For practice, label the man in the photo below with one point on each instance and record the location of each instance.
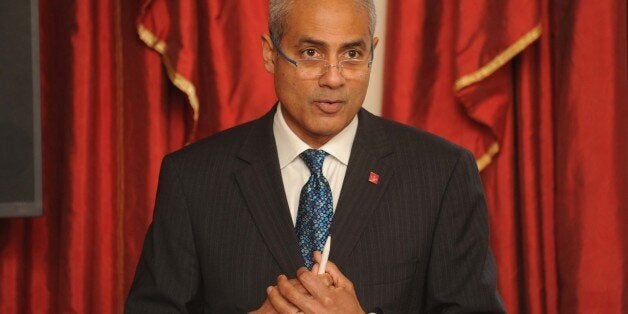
(238, 215)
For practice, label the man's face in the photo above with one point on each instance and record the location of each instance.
(318, 108)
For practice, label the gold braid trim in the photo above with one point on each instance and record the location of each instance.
(499, 60)
(490, 68)
(487, 158)
(179, 81)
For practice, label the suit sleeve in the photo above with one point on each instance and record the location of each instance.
(167, 275)
(461, 271)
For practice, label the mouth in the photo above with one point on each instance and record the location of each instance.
(329, 106)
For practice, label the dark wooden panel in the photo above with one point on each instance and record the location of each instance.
(20, 113)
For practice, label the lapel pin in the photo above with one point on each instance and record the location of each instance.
(373, 177)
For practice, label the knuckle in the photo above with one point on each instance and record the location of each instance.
(329, 282)
(291, 294)
(350, 285)
(281, 289)
(327, 301)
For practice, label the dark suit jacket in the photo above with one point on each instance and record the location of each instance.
(415, 242)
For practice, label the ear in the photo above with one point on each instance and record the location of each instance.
(268, 53)
(375, 42)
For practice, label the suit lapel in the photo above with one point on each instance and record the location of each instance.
(262, 187)
(359, 197)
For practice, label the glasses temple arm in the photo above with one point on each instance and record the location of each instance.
(276, 44)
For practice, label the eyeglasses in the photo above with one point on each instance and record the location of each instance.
(315, 68)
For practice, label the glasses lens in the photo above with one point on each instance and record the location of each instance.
(354, 68)
(309, 69)
(312, 69)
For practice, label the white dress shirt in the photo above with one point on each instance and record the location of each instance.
(295, 173)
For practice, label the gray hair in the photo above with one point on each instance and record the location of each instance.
(279, 10)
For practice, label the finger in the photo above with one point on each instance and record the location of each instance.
(298, 286)
(326, 278)
(317, 259)
(318, 256)
(278, 302)
(302, 270)
(338, 278)
(300, 300)
(315, 284)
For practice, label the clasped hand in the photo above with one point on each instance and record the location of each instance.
(331, 292)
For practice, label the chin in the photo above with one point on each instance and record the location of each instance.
(327, 132)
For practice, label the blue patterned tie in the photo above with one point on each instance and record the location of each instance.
(315, 208)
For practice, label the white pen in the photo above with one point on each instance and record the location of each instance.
(325, 258)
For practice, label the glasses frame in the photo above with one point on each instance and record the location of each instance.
(338, 65)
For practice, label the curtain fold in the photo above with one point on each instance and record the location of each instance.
(590, 83)
(111, 109)
(106, 124)
(535, 89)
(212, 50)
(544, 125)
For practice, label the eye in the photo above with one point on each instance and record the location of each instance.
(310, 53)
(353, 54)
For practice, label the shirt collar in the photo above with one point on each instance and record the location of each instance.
(289, 145)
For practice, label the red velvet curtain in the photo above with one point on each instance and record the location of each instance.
(212, 50)
(537, 90)
(112, 108)
(548, 124)
(106, 124)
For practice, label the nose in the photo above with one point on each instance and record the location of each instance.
(332, 78)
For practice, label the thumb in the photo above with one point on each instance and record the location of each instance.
(337, 276)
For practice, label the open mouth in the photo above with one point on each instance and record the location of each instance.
(329, 106)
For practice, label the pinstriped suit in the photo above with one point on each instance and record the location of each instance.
(415, 242)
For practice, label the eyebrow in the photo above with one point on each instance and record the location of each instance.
(313, 41)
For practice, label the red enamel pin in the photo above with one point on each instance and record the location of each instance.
(373, 177)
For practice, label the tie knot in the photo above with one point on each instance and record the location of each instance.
(314, 158)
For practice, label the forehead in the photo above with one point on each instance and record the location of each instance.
(327, 20)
